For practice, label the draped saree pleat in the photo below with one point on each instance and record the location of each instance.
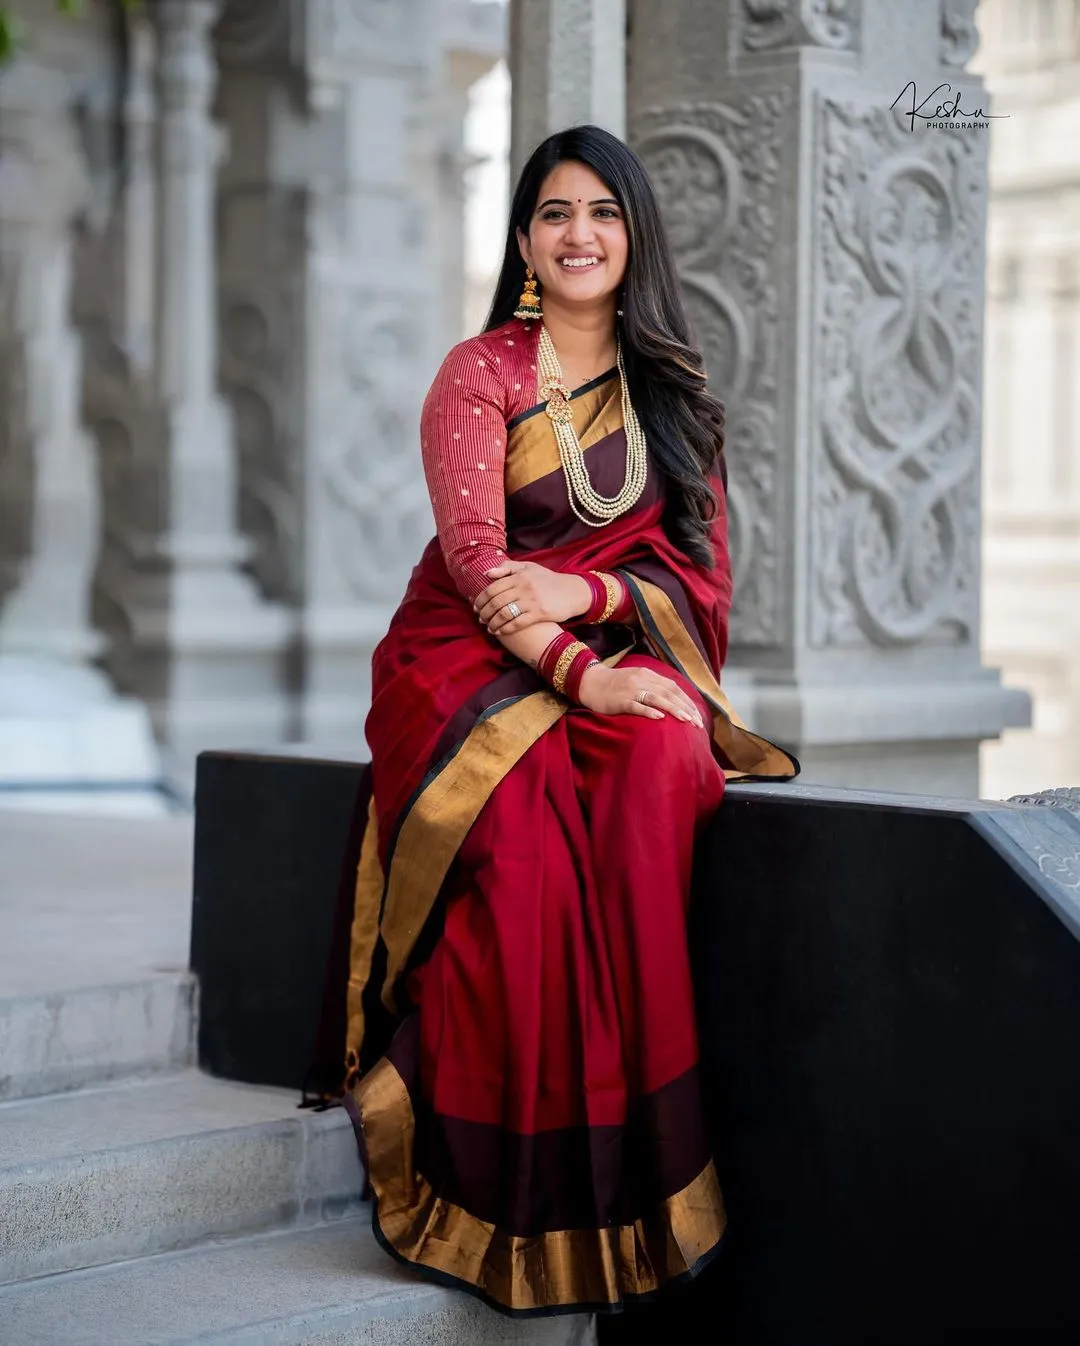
(533, 1131)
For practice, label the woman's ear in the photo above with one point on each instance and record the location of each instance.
(524, 248)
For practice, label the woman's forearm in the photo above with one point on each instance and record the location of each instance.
(530, 644)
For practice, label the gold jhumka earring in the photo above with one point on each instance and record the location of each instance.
(529, 304)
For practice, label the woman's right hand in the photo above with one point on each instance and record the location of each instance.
(615, 691)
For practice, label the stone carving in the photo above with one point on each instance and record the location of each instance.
(1062, 867)
(1064, 797)
(261, 327)
(1050, 836)
(768, 24)
(255, 375)
(894, 523)
(376, 507)
(959, 34)
(716, 170)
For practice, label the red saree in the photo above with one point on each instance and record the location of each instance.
(533, 1132)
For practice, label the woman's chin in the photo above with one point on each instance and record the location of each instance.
(580, 296)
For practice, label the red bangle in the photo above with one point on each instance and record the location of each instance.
(583, 661)
(596, 607)
(550, 657)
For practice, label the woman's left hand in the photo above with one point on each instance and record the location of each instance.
(542, 595)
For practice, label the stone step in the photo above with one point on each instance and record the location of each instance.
(326, 1287)
(95, 924)
(52, 1040)
(147, 1167)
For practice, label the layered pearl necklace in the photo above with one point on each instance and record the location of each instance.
(557, 395)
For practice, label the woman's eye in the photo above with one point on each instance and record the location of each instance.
(608, 213)
(553, 215)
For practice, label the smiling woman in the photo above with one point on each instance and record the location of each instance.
(548, 736)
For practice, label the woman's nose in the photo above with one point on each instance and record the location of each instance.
(579, 229)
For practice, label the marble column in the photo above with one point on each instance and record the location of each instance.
(214, 660)
(567, 64)
(331, 315)
(61, 724)
(833, 258)
(473, 40)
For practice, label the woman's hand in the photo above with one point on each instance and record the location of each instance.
(616, 691)
(542, 595)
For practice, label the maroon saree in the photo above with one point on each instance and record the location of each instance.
(533, 1131)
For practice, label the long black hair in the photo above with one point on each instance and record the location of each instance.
(683, 422)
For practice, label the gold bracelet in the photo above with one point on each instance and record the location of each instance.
(562, 664)
(614, 593)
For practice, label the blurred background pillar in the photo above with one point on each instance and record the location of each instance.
(339, 218)
(474, 41)
(210, 660)
(567, 64)
(1030, 55)
(62, 727)
(833, 258)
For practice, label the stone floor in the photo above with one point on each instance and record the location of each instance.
(88, 900)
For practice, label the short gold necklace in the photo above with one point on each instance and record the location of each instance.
(554, 391)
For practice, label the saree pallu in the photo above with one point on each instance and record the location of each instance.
(533, 1132)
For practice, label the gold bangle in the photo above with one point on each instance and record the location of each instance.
(562, 664)
(614, 593)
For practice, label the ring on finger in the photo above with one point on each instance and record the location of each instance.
(513, 609)
(643, 695)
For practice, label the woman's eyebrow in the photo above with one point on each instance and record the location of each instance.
(558, 201)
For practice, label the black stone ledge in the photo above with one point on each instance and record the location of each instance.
(277, 841)
(889, 1001)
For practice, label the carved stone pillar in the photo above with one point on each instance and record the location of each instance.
(61, 724)
(331, 316)
(833, 259)
(206, 649)
(567, 63)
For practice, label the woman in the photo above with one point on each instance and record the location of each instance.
(548, 737)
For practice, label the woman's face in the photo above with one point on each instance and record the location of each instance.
(577, 242)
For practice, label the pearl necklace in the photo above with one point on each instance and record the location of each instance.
(557, 395)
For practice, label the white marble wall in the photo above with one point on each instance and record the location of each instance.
(1031, 543)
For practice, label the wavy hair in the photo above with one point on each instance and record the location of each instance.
(682, 420)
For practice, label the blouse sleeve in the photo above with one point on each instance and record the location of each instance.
(463, 442)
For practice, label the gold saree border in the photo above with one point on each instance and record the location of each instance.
(397, 905)
(364, 932)
(441, 815)
(749, 753)
(532, 451)
(590, 1267)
